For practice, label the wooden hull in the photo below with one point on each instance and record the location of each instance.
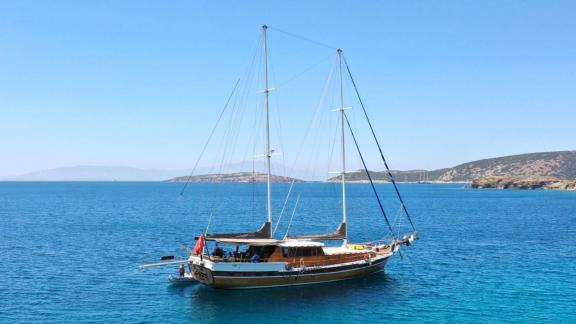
(246, 280)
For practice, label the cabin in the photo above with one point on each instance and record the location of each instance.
(293, 252)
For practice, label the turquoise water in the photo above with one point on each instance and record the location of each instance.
(69, 253)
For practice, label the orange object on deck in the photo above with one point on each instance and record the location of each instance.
(199, 245)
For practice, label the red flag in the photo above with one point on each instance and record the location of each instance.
(199, 245)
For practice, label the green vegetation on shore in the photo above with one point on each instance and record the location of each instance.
(559, 165)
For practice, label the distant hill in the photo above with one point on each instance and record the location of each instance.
(121, 173)
(560, 165)
(233, 177)
(97, 173)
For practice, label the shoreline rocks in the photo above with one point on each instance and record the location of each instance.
(502, 182)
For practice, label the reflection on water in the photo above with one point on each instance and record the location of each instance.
(220, 305)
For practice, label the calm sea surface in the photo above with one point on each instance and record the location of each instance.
(69, 253)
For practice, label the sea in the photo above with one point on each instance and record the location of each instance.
(70, 251)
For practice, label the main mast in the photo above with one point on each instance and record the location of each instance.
(268, 151)
(343, 175)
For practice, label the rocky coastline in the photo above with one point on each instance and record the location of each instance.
(502, 182)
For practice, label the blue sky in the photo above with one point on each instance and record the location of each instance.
(140, 83)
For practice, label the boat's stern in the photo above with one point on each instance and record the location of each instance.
(214, 273)
(202, 273)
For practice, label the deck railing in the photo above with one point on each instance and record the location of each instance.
(301, 261)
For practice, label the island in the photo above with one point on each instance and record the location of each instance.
(504, 182)
(233, 177)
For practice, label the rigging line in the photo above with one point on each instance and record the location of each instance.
(223, 147)
(238, 122)
(209, 137)
(227, 135)
(238, 101)
(318, 121)
(253, 188)
(243, 97)
(302, 38)
(253, 137)
(296, 76)
(397, 222)
(232, 136)
(313, 121)
(328, 165)
(306, 136)
(209, 222)
(332, 146)
(292, 217)
(252, 143)
(399, 225)
(369, 177)
(276, 107)
(379, 147)
(283, 207)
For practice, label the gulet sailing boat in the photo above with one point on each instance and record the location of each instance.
(295, 259)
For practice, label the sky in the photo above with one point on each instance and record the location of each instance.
(141, 83)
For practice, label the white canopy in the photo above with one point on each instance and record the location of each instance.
(248, 241)
(300, 243)
(263, 242)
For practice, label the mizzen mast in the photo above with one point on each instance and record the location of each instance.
(266, 108)
(343, 143)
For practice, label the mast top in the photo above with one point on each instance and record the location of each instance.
(339, 50)
(264, 26)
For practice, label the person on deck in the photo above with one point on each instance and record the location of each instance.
(255, 258)
(236, 253)
(181, 270)
(218, 251)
